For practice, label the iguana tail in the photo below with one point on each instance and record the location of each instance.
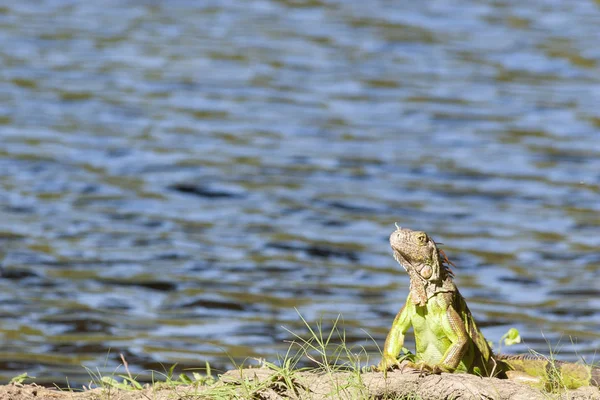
(555, 374)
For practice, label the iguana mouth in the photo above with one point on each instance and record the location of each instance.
(400, 259)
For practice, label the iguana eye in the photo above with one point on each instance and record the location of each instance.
(422, 237)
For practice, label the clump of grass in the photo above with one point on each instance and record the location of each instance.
(127, 382)
(130, 382)
(326, 349)
(331, 355)
(551, 375)
(561, 376)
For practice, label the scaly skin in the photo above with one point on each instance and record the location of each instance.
(446, 336)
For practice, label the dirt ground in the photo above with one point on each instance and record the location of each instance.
(264, 384)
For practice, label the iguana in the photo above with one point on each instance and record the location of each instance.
(446, 335)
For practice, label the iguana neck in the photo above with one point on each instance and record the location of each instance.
(422, 289)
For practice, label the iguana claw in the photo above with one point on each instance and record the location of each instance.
(424, 368)
(388, 364)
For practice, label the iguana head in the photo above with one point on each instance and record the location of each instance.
(420, 257)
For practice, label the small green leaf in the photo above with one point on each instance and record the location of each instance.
(511, 337)
(21, 378)
(197, 376)
(110, 381)
(406, 355)
(185, 379)
(170, 373)
(135, 384)
(208, 373)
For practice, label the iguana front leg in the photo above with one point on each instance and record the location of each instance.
(454, 329)
(395, 339)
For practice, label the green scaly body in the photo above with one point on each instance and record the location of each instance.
(446, 336)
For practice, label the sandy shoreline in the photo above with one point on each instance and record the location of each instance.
(264, 383)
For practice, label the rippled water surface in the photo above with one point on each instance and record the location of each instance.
(177, 177)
